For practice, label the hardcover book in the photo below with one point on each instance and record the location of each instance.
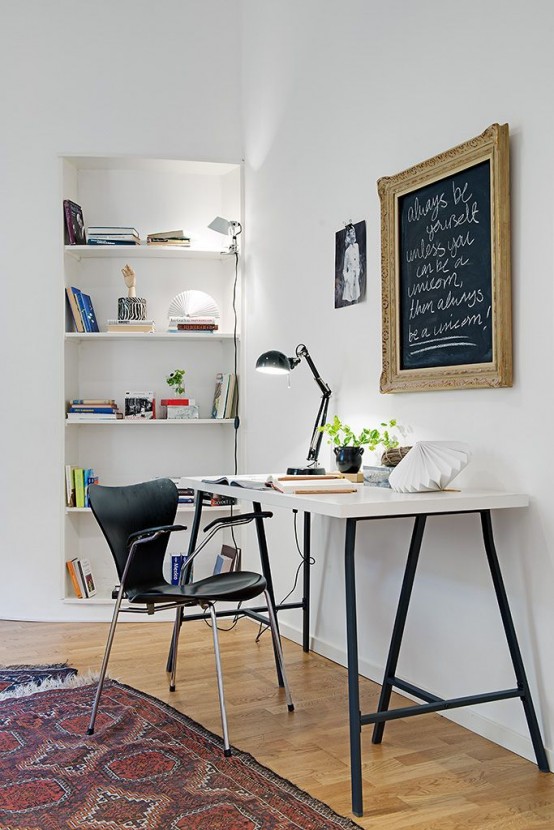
(86, 575)
(82, 311)
(224, 395)
(112, 230)
(131, 328)
(73, 575)
(227, 560)
(106, 241)
(75, 310)
(91, 323)
(74, 223)
(69, 486)
(78, 474)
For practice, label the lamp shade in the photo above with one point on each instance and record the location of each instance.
(273, 363)
(220, 225)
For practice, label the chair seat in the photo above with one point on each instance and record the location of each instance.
(237, 586)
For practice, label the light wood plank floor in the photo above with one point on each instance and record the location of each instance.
(428, 774)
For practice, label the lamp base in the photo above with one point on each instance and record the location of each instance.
(305, 471)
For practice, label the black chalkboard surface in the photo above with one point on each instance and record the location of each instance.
(445, 279)
(445, 269)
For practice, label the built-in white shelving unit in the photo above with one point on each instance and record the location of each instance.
(150, 195)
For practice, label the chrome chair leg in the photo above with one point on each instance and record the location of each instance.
(173, 651)
(226, 744)
(90, 730)
(278, 650)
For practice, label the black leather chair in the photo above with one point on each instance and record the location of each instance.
(137, 521)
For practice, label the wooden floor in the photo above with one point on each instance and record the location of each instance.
(428, 774)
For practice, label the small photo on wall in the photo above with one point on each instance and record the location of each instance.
(350, 264)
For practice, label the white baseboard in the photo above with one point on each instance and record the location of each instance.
(467, 717)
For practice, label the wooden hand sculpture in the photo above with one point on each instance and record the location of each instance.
(130, 280)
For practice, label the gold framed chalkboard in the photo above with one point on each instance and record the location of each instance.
(445, 261)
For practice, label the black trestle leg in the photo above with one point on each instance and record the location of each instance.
(513, 645)
(354, 714)
(306, 549)
(266, 570)
(399, 624)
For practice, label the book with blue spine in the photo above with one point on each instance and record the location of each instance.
(99, 410)
(90, 316)
(79, 300)
(75, 310)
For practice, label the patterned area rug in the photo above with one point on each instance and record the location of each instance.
(146, 767)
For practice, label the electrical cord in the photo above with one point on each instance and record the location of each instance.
(236, 425)
(311, 561)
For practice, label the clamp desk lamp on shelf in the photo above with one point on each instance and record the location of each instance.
(230, 228)
(277, 363)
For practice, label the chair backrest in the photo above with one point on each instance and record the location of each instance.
(121, 511)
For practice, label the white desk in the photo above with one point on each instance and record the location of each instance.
(380, 503)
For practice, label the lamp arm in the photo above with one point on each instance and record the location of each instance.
(302, 351)
(317, 435)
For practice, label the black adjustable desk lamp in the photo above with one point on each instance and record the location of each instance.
(276, 363)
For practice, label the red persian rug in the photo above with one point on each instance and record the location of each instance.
(146, 767)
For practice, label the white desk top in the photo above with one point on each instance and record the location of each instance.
(368, 502)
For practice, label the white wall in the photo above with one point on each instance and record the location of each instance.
(132, 78)
(335, 96)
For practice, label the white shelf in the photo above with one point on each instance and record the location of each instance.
(102, 336)
(181, 508)
(152, 422)
(79, 252)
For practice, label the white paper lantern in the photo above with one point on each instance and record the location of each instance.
(430, 465)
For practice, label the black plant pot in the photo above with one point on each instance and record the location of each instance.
(349, 459)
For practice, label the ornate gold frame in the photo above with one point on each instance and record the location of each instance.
(493, 145)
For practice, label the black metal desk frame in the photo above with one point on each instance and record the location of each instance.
(432, 702)
(259, 614)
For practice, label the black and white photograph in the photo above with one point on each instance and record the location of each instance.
(139, 405)
(350, 264)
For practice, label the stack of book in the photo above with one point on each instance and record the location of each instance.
(89, 409)
(172, 238)
(82, 311)
(225, 396)
(81, 577)
(77, 480)
(131, 326)
(215, 500)
(184, 323)
(186, 495)
(178, 408)
(111, 235)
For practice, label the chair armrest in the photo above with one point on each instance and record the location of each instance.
(152, 531)
(240, 519)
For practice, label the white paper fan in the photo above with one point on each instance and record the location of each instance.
(430, 465)
(193, 304)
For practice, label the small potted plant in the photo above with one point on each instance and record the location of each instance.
(175, 381)
(349, 446)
